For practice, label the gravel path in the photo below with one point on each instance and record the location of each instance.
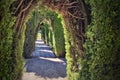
(44, 65)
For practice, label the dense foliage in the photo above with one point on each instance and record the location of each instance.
(32, 28)
(58, 32)
(72, 53)
(45, 31)
(102, 45)
(53, 33)
(10, 56)
(103, 42)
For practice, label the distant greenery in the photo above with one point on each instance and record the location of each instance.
(59, 41)
(45, 32)
(39, 35)
(32, 28)
(53, 33)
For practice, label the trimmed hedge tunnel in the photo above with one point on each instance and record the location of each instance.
(32, 28)
(54, 38)
(101, 50)
(53, 35)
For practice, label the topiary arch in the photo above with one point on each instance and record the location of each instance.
(92, 52)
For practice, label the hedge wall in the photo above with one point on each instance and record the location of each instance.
(45, 32)
(73, 53)
(17, 51)
(103, 42)
(11, 62)
(101, 61)
(32, 28)
(53, 33)
(58, 37)
(50, 38)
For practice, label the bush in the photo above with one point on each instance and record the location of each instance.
(73, 60)
(32, 28)
(45, 32)
(58, 37)
(103, 41)
(10, 56)
(53, 33)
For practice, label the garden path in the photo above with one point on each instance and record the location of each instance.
(44, 65)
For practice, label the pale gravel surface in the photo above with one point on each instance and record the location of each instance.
(44, 65)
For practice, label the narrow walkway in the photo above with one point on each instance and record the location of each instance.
(44, 65)
(42, 50)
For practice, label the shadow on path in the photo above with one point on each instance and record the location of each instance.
(42, 50)
(44, 65)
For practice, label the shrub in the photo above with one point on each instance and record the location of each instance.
(32, 28)
(58, 34)
(103, 41)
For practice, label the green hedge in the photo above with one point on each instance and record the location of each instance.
(45, 32)
(102, 45)
(10, 56)
(103, 42)
(53, 33)
(17, 51)
(50, 38)
(32, 28)
(58, 37)
(73, 59)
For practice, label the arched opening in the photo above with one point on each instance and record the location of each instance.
(42, 62)
(92, 51)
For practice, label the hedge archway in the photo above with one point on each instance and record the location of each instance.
(92, 52)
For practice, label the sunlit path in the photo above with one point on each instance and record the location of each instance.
(42, 50)
(43, 65)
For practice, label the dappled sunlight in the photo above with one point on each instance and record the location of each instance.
(45, 68)
(42, 50)
(62, 60)
(33, 76)
(39, 42)
(46, 51)
(42, 46)
(43, 65)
